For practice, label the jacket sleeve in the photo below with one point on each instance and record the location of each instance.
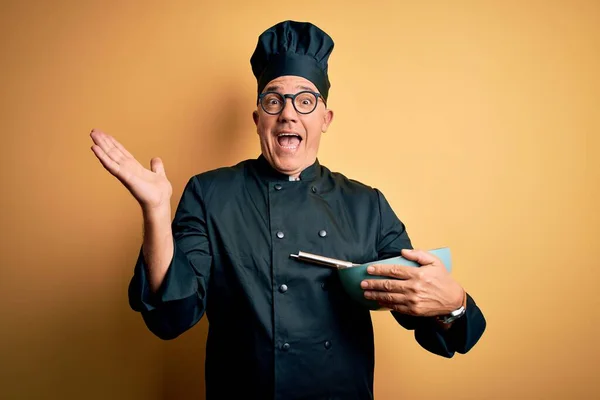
(180, 302)
(464, 332)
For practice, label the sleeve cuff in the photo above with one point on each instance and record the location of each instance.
(180, 282)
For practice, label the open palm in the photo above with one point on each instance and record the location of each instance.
(150, 187)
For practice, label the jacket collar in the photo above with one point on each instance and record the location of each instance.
(267, 172)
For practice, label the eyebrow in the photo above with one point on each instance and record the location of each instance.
(273, 88)
(304, 87)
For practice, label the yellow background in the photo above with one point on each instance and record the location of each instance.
(479, 120)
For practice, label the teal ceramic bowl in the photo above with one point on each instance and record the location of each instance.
(352, 277)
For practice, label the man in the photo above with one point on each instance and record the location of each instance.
(279, 328)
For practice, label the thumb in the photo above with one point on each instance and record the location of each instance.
(420, 256)
(156, 165)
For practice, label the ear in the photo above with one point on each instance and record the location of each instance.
(255, 117)
(327, 118)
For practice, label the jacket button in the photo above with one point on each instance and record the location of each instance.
(322, 233)
(327, 344)
(283, 288)
(313, 189)
(324, 286)
(285, 346)
(278, 186)
(280, 235)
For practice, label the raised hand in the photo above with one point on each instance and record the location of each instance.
(150, 187)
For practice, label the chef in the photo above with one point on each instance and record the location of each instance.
(280, 328)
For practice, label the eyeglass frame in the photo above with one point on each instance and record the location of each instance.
(293, 97)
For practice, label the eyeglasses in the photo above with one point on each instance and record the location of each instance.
(304, 102)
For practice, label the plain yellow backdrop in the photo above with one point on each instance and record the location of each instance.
(479, 120)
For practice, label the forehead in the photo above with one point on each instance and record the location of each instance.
(290, 83)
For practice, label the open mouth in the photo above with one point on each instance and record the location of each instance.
(289, 141)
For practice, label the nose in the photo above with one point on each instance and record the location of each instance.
(288, 114)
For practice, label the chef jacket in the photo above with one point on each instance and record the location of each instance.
(280, 328)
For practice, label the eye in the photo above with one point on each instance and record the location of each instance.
(272, 102)
(305, 99)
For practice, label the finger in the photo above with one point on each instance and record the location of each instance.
(384, 285)
(99, 138)
(419, 256)
(107, 144)
(401, 308)
(385, 297)
(120, 147)
(156, 165)
(108, 163)
(391, 270)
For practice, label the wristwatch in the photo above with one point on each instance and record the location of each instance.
(454, 315)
